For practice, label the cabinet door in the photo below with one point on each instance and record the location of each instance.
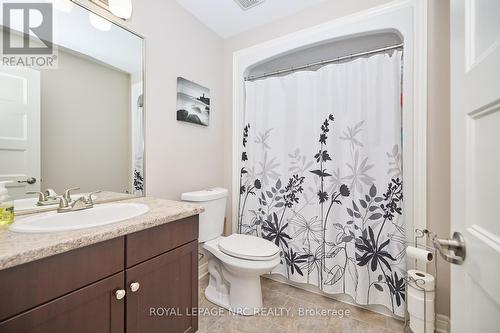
(168, 293)
(91, 309)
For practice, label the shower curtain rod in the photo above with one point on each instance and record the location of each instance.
(324, 62)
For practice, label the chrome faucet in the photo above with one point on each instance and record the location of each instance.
(65, 206)
(88, 199)
(67, 193)
(68, 205)
(46, 198)
(50, 193)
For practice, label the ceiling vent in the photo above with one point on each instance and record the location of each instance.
(247, 4)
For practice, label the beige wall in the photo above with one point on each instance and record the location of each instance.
(179, 156)
(438, 154)
(85, 126)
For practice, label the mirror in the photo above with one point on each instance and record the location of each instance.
(80, 122)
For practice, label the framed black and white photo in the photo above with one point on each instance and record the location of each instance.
(193, 102)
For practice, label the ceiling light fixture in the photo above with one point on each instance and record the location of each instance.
(65, 6)
(121, 8)
(99, 22)
(247, 4)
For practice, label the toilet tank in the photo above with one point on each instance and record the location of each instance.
(212, 220)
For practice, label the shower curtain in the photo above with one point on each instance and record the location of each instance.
(138, 142)
(321, 177)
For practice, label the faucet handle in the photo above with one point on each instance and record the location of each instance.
(50, 193)
(67, 194)
(41, 196)
(63, 203)
(88, 199)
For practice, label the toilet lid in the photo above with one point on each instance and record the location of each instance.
(248, 247)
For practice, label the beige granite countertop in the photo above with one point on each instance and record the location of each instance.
(19, 248)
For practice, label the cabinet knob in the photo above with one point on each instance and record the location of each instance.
(120, 294)
(134, 286)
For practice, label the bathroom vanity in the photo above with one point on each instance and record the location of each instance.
(112, 278)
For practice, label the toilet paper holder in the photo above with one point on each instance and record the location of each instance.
(456, 246)
(452, 250)
(411, 282)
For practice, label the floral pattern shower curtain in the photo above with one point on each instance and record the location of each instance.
(321, 177)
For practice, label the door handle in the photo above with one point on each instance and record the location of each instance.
(455, 247)
(30, 180)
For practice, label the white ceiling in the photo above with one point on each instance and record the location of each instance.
(227, 19)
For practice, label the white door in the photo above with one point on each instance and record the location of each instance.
(475, 163)
(20, 129)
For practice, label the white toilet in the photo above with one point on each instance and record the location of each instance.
(236, 262)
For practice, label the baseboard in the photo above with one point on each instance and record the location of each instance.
(202, 270)
(442, 323)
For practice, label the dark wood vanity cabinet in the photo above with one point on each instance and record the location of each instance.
(76, 291)
(89, 309)
(167, 295)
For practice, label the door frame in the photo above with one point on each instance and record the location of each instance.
(406, 17)
(31, 143)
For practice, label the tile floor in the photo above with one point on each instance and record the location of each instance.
(278, 295)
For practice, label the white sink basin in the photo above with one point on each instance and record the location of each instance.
(97, 216)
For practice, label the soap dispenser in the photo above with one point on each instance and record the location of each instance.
(6, 205)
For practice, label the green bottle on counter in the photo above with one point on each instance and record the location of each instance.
(6, 206)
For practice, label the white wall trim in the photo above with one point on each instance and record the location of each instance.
(408, 17)
(442, 323)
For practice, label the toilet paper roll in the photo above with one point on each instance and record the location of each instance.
(419, 326)
(421, 285)
(417, 305)
(420, 280)
(419, 254)
(430, 296)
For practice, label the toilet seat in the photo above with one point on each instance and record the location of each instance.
(248, 247)
(212, 246)
(234, 282)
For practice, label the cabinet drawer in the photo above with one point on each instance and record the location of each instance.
(149, 243)
(90, 309)
(29, 285)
